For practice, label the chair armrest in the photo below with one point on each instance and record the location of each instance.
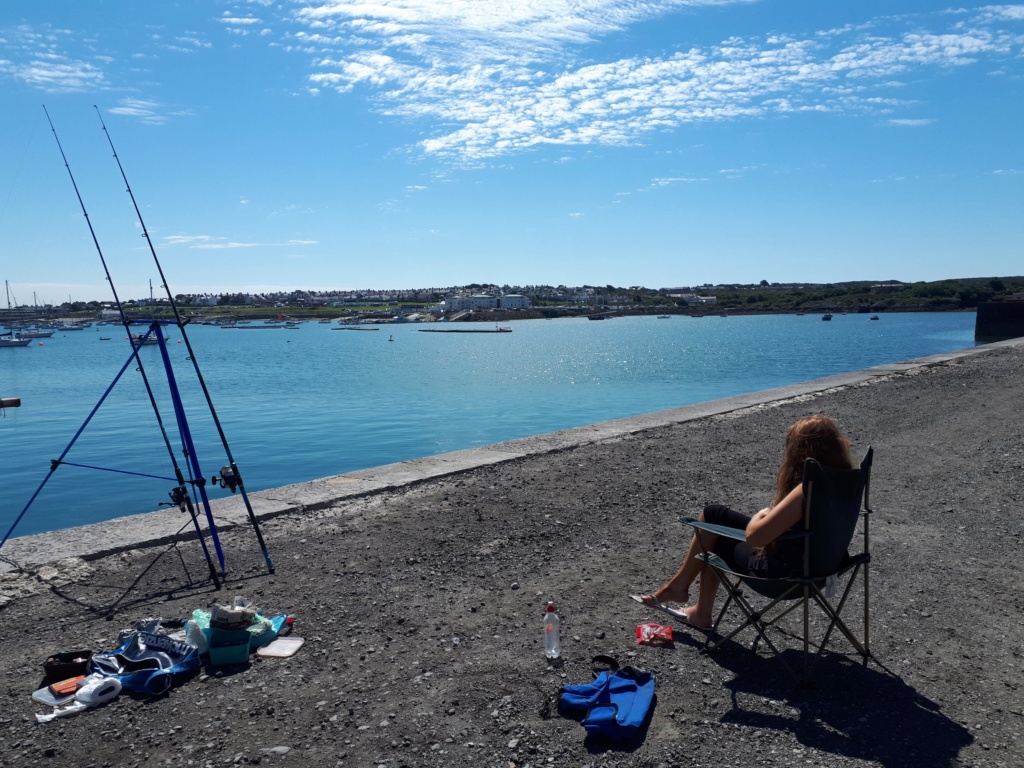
(739, 534)
(719, 530)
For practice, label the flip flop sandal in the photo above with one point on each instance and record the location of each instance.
(660, 606)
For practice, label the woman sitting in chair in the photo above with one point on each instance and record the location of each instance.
(815, 437)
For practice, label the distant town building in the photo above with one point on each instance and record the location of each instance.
(482, 301)
(693, 298)
(513, 301)
(462, 303)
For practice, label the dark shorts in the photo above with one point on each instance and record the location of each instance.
(771, 562)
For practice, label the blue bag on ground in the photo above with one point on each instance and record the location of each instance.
(147, 662)
(615, 705)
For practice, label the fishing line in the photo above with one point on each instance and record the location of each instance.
(180, 490)
(233, 478)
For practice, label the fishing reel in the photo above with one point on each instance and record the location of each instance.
(179, 498)
(227, 478)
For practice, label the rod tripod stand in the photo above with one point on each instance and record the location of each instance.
(189, 490)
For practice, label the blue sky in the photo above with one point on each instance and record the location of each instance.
(421, 143)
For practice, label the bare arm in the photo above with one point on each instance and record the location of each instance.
(768, 524)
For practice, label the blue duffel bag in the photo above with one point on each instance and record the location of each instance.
(614, 706)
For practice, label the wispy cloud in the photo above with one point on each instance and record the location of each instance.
(38, 60)
(505, 74)
(490, 79)
(152, 112)
(239, 21)
(910, 122)
(210, 242)
(223, 245)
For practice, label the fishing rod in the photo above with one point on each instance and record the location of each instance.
(230, 476)
(179, 495)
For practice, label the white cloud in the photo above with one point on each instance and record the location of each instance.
(211, 245)
(1004, 12)
(911, 123)
(488, 78)
(209, 242)
(148, 111)
(240, 21)
(37, 59)
(187, 239)
(500, 78)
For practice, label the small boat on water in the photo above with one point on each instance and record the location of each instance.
(664, 317)
(139, 339)
(33, 333)
(873, 317)
(8, 339)
(826, 316)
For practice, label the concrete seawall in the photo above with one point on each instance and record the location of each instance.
(166, 526)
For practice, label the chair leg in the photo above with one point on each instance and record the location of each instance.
(807, 632)
(836, 621)
(867, 612)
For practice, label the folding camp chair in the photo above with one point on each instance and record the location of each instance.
(834, 501)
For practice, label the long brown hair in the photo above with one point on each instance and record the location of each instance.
(815, 437)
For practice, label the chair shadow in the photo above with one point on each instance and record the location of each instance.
(857, 710)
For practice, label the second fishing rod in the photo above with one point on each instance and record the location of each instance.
(230, 476)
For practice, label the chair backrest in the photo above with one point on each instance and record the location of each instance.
(832, 505)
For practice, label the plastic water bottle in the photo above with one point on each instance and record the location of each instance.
(552, 641)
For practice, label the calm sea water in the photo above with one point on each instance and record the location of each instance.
(313, 402)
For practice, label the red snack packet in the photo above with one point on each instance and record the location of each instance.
(653, 634)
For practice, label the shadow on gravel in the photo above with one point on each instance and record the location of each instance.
(163, 576)
(857, 711)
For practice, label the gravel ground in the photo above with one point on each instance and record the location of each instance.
(422, 608)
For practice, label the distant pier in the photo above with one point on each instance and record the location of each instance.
(997, 320)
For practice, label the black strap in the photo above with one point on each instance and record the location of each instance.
(601, 663)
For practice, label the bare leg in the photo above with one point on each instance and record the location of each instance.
(701, 613)
(677, 589)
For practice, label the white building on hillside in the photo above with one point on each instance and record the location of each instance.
(460, 303)
(514, 301)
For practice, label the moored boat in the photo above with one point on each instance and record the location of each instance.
(33, 333)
